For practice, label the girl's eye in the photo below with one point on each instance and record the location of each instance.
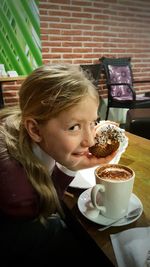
(94, 123)
(74, 127)
(97, 121)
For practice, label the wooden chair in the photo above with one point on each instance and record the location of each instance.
(93, 71)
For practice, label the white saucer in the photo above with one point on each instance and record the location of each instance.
(85, 178)
(84, 202)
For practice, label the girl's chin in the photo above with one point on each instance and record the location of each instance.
(72, 161)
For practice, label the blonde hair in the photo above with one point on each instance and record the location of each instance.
(43, 95)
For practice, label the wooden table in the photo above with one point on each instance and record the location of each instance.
(137, 157)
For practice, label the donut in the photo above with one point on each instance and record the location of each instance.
(107, 140)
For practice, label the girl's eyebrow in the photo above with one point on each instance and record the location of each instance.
(74, 119)
(79, 120)
(82, 120)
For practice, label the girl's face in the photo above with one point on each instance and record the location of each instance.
(67, 137)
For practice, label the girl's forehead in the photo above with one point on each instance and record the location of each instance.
(87, 99)
(85, 108)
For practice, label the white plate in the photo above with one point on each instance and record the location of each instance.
(84, 203)
(85, 178)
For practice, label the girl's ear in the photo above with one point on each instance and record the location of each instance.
(32, 128)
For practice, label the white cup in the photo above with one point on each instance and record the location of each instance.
(113, 189)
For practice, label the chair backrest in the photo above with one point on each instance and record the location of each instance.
(138, 122)
(93, 71)
(119, 77)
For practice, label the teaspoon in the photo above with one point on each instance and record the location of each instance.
(132, 214)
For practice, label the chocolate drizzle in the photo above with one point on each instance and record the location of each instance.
(108, 134)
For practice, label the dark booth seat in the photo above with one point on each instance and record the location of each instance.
(138, 122)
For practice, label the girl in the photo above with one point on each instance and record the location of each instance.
(43, 142)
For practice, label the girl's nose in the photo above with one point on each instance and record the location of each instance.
(88, 139)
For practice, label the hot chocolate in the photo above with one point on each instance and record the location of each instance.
(114, 172)
(112, 192)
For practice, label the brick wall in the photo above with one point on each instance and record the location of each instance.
(10, 92)
(82, 31)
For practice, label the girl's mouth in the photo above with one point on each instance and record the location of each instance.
(80, 154)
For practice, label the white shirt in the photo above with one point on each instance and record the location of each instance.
(49, 161)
